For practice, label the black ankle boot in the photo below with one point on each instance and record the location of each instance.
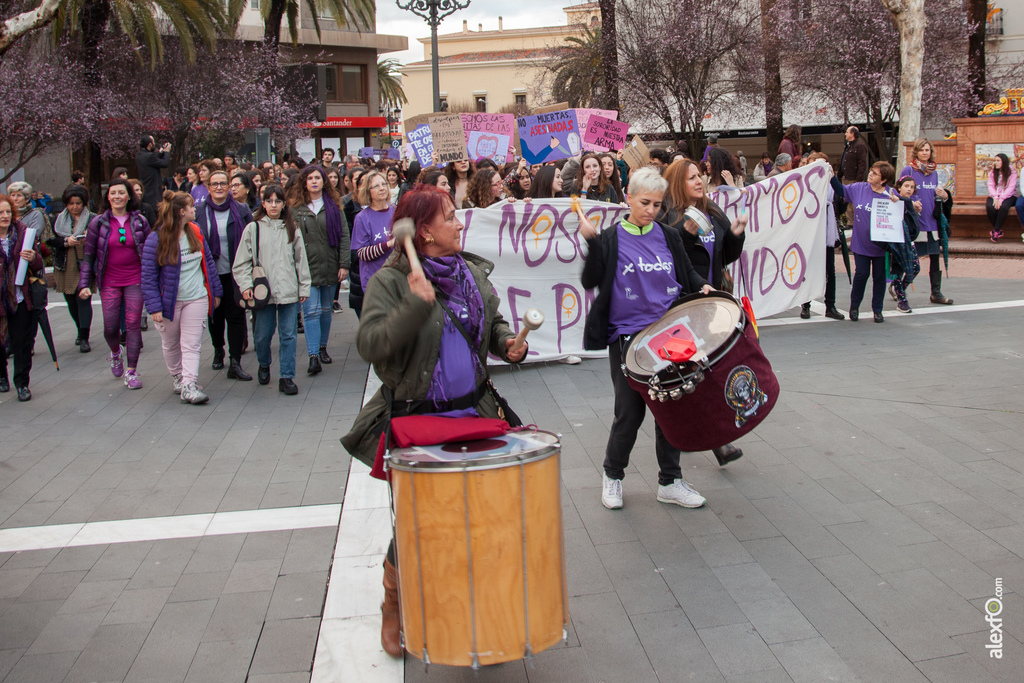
(324, 358)
(314, 365)
(235, 371)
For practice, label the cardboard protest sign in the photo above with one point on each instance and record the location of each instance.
(886, 221)
(605, 134)
(551, 107)
(422, 144)
(449, 138)
(549, 137)
(411, 123)
(487, 146)
(583, 118)
(636, 154)
(490, 126)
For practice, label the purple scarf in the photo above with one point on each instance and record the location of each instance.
(211, 222)
(334, 230)
(451, 276)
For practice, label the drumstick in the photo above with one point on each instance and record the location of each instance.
(403, 231)
(532, 319)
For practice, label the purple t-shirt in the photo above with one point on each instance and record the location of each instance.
(861, 196)
(455, 375)
(645, 284)
(371, 227)
(926, 186)
(199, 194)
(123, 267)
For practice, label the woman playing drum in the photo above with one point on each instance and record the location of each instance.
(640, 269)
(427, 334)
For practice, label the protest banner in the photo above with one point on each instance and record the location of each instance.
(393, 153)
(422, 144)
(536, 250)
(549, 137)
(636, 154)
(886, 220)
(366, 153)
(492, 130)
(583, 118)
(782, 264)
(606, 133)
(449, 138)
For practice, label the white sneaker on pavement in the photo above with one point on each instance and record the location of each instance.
(572, 360)
(190, 393)
(177, 383)
(611, 492)
(680, 493)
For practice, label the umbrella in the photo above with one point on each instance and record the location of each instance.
(944, 237)
(44, 324)
(846, 255)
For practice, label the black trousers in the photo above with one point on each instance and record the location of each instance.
(630, 411)
(81, 312)
(230, 314)
(997, 214)
(830, 276)
(876, 266)
(22, 328)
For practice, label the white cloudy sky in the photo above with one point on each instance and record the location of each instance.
(522, 14)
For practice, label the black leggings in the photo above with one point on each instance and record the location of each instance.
(996, 216)
(81, 312)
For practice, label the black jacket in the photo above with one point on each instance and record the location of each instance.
(149, 165)
(599, 271)
(728, 246)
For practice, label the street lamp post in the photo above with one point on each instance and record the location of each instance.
(433, 11)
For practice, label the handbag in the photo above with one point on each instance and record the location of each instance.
(260, 283)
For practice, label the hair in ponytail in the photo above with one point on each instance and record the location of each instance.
(170, 224)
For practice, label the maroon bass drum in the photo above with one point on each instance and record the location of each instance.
(702, 372)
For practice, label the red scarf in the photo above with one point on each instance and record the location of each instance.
(926, 167)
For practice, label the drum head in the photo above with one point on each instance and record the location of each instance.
(709, 321)
(500, 451)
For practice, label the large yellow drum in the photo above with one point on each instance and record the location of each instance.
(481, 564)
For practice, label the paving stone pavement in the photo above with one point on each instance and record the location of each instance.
(857, 539)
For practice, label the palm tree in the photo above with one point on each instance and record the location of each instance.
(578, 70)
(360, 13)
(389, 84)
(192, 21)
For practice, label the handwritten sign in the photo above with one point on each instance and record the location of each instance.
(886, 221)
(782, 264)
(636, 154)
(583, 118)
(549, 137)
(489, 126)
(449, 138)
(422, 144)
(606, 133)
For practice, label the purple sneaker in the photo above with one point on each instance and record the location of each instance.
(132, 380)
(116, 365)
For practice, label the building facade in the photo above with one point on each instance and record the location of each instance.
(492, 70)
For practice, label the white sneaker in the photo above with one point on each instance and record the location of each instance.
(177, 383)
(572, 360)
(611, 492)
(190, 394)
(680, 493)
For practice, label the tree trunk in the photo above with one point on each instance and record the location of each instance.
(977, 12)
(609, 54)
(272, 27)
(911, 22)
(772, 78)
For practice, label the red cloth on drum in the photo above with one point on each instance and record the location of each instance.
(429, 430)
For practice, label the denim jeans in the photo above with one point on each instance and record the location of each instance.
(284, 318)
(1020, 210)
(875, 265)
(316, 316)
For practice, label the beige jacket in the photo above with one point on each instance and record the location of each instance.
(285, 264)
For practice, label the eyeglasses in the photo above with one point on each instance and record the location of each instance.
(220, 184)
(236, 186)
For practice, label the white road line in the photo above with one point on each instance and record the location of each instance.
(817, 307)
(348, 648)
(162, 528)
